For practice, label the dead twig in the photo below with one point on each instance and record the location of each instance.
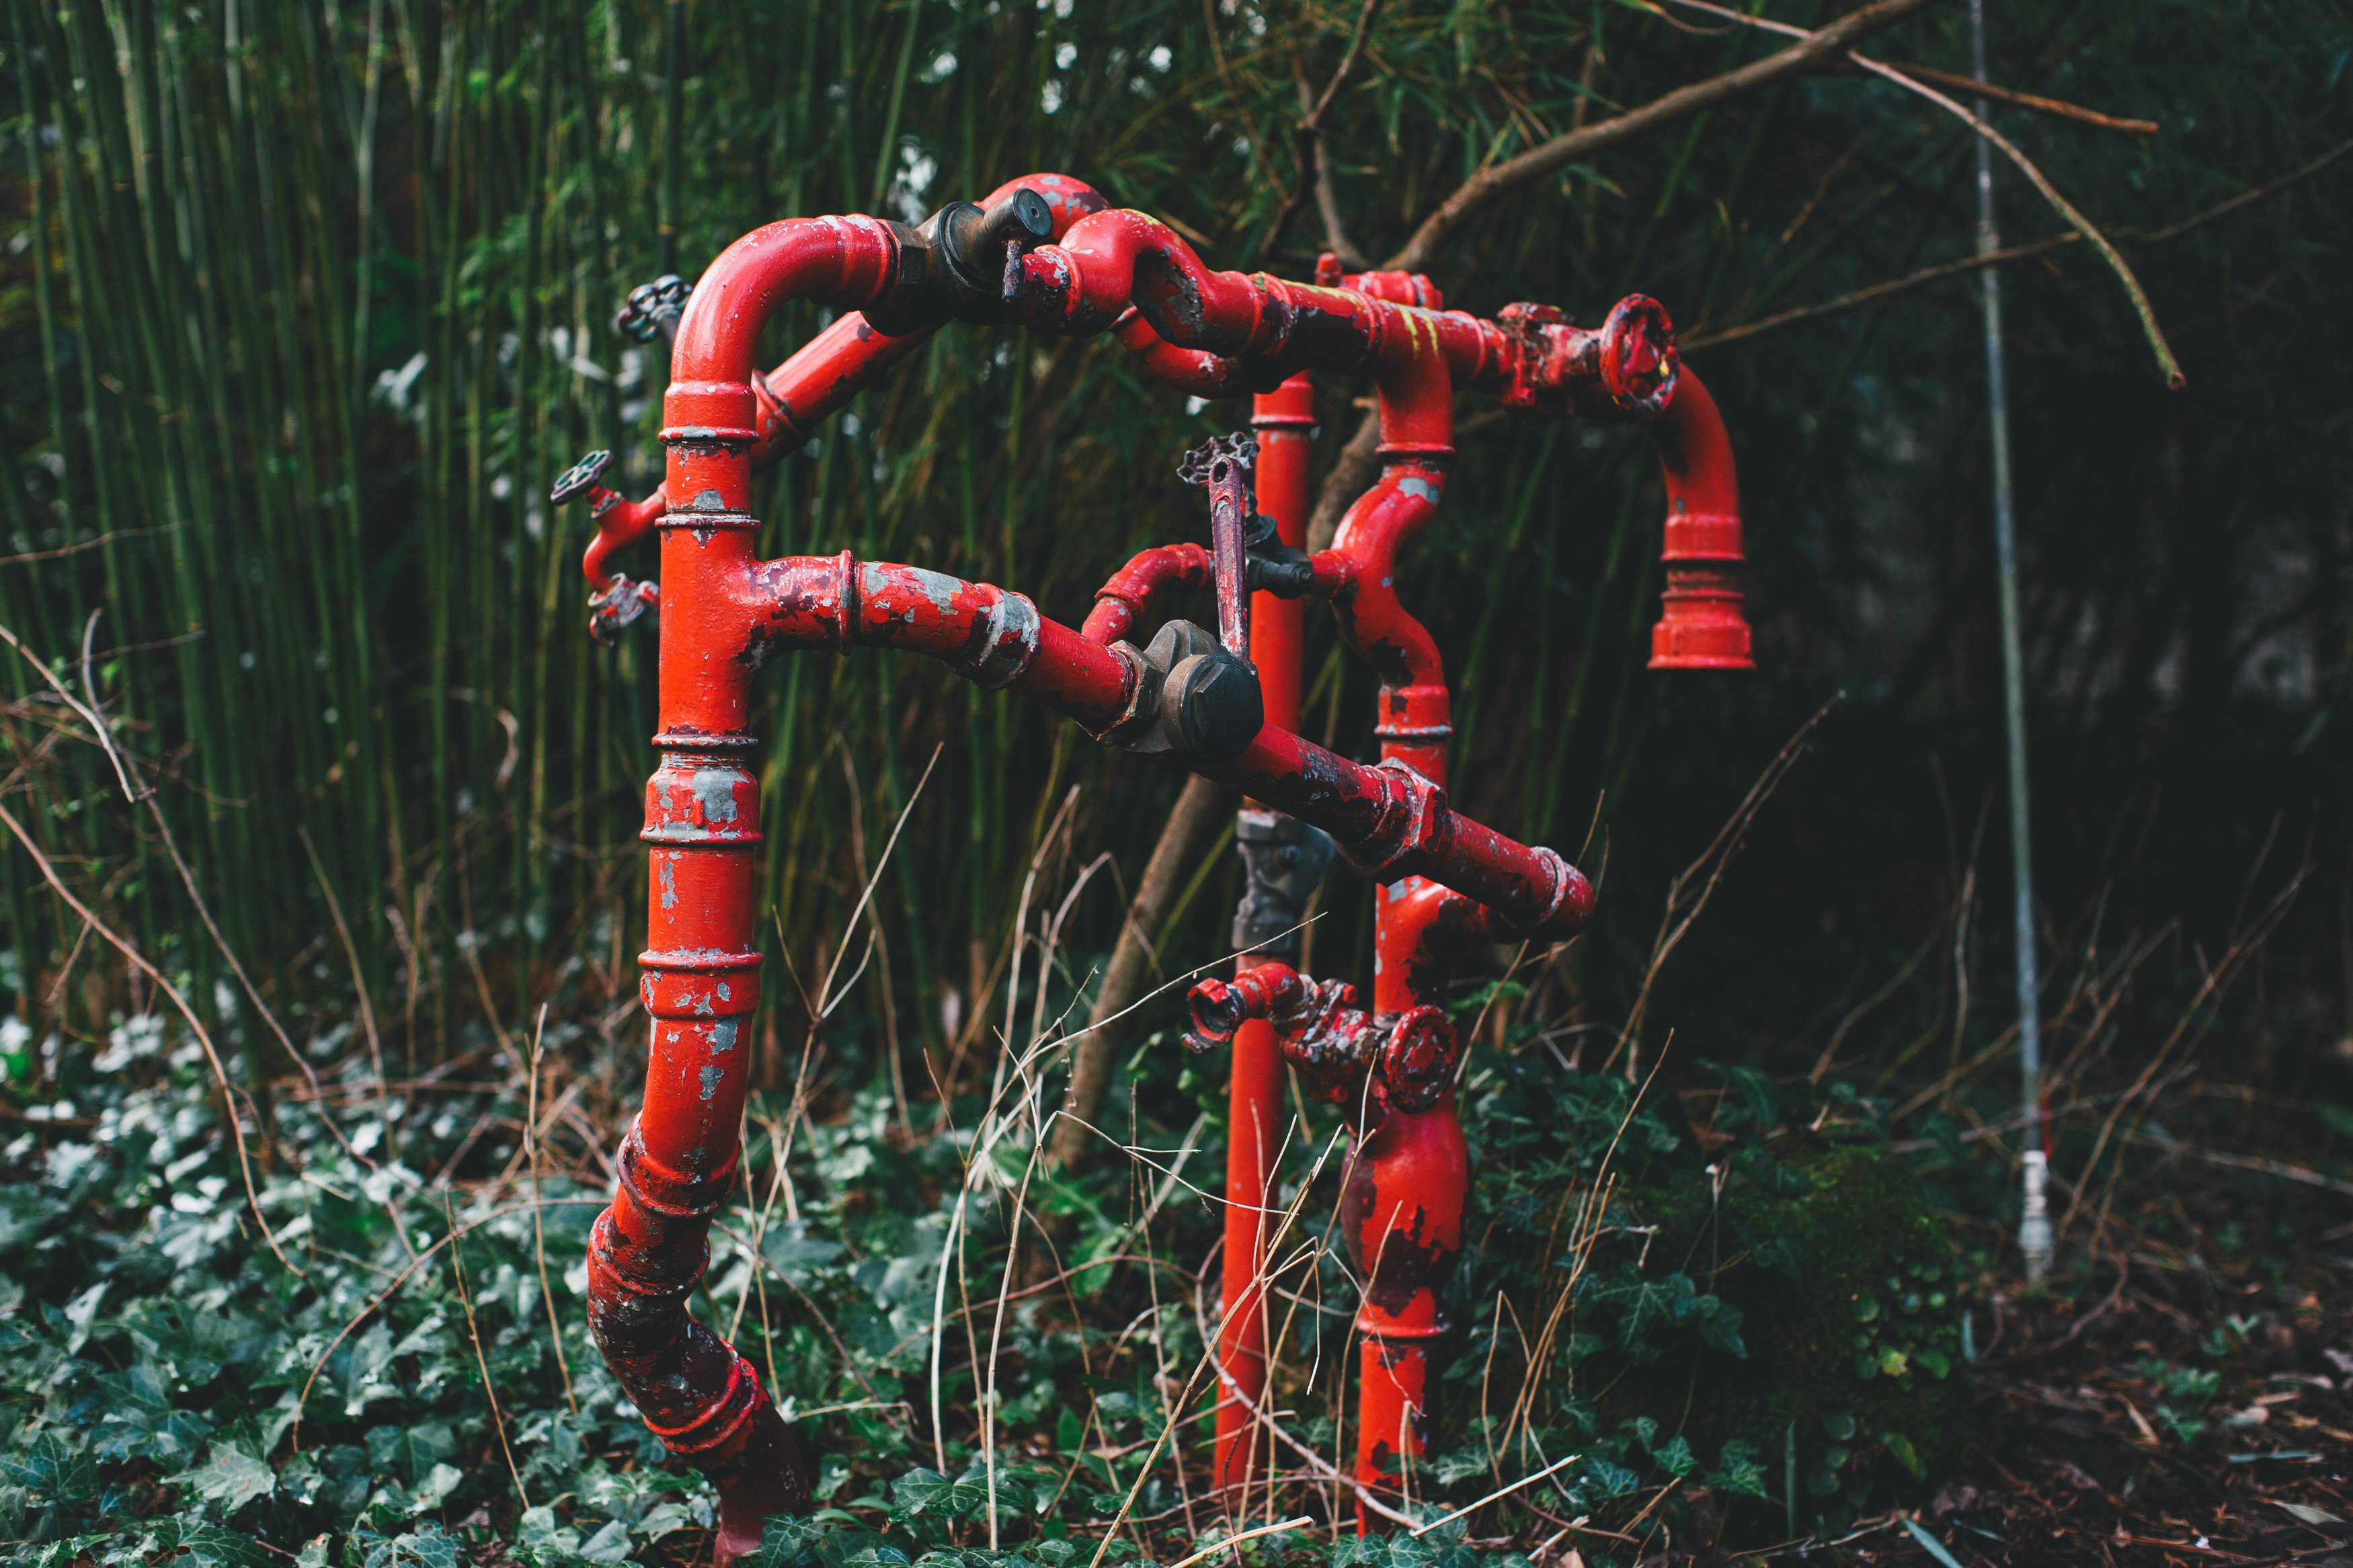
(2170, 366)
(2039, 104)
(1489, 184)
(1314, 167)
(195, 1025)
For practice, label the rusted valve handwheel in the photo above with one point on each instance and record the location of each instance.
(653, 310)
(584, 477)
(1223, 465)
(611, 612)
(1417, 1060)
(1200, 464)
(1328, 1035)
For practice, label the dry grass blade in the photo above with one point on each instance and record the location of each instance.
(482, 1362)
(1684, 904)
(196, 1025)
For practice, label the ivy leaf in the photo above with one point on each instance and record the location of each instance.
(1614, 1480)
(81, 1312)
(1739, 1471)
(1757, 1096)
(201, 1545)
(1721, 1328)
(609, 1545)
(411, 1452)
(428, 1547)
(783, 1539)
(922, 1491)
(51, 1472)
(437, 1484)
(231, 1477)
(1675, 1457)
(545, 1543)
(1459, 1464)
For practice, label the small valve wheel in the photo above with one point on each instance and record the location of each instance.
(653, 309)
(1417, 1060)
(610, 612)
(1199, 466)
(582, 478)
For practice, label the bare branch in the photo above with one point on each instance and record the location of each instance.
(2035, 101)
(1315, 165)
(1966, 264)
(1475, 193)
(2165, 363)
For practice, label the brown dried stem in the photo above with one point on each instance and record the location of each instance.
(1944, 269)
(2058, 108)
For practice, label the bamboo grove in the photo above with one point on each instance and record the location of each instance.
(307, 303)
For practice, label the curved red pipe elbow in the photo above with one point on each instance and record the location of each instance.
(833, 261)
(1196, 370)
(619, 526)
(1123, 601)
(825, 372)
(1701, 624)
(1361, 569)
(1417, 413)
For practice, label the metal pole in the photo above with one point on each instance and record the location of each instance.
(2034, 1223)
(673, 89)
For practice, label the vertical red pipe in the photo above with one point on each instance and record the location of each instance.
(1285, 421)
(1408, 1177)
(701, 981)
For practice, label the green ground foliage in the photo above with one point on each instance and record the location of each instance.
(176, 1382)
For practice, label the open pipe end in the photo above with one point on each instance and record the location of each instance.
(1700, 623)
(1701, 626)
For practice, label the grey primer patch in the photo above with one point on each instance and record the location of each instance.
(670, 884)
(711, 1076)
(725, 995)
(939, 589)
(1419, 488)
(708, 501)
(723, 1037)
(714, 791)
(1009, 640)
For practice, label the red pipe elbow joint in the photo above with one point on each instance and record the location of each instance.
(1701, 624)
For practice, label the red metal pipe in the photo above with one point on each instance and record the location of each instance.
(1701, 626)
(1284, 420)
(815, 383)
(726, 613)
(1130, 594)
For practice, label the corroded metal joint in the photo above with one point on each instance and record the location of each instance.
(962, 263)
(1412, 817)
(1626, 369)
(1283, 861)
(1007, 641)
(1189, 700)
(1323, 1030)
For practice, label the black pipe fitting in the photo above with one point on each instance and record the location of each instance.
(1192, 700)
(952, 266)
